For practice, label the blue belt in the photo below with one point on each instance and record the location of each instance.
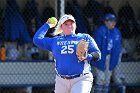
(71, 77)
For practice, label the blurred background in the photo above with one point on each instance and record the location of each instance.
(24, 68)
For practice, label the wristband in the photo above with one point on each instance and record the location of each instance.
(89, 57)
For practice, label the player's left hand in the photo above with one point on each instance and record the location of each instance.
(82, 49)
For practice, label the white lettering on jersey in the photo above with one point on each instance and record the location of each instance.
(67, 46)
(67, 49)
(66, 42)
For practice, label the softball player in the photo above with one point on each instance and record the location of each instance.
(108, 39)
(72, 76)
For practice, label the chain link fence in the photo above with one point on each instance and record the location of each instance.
(22, 63)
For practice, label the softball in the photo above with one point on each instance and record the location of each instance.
(52, 20)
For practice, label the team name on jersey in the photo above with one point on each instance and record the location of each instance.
(66, 42)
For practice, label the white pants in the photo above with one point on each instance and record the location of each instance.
(81, 84)
(104, 77)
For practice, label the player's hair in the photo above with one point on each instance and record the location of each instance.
(58, 29)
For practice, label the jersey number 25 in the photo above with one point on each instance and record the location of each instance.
(67, 49)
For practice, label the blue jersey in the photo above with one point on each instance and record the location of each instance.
(64, 50)
(109, 42)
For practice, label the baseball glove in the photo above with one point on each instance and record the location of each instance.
(81, 50)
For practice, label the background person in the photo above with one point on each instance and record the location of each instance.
(108, 39)
(72, 75)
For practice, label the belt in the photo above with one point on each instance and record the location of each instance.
(71, 77)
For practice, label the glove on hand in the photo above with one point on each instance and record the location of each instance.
(81, 50)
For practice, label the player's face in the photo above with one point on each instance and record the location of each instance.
(68, 27)
(110, 24)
